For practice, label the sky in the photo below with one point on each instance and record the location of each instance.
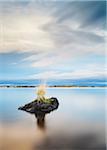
(52, 39)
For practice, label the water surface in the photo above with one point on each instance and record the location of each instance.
(78, 123)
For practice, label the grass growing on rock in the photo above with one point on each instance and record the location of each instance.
(45, 100)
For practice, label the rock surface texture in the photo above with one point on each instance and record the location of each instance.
(40, 108)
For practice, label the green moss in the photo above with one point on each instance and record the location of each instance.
(45, 100)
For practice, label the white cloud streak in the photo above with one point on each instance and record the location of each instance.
(34, 27)
(53, 36)
(92, 71)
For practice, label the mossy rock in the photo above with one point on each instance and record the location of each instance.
(41, 107)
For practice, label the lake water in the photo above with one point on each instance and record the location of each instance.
(78, 123)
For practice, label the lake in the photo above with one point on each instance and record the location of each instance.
(78, 123)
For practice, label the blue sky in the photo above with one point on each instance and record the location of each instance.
(52, 40)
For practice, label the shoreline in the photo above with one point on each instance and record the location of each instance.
(54, 86)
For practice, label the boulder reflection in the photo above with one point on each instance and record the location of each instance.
(41, 124)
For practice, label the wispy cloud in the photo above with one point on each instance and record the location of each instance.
(36, 26)
(91, 71)
(54, 34)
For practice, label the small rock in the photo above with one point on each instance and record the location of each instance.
(36, 107)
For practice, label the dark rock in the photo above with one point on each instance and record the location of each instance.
(40, 108)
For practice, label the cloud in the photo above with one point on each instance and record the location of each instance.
(36, 27)
(89, 71)
(80, 74)
(52, 59)
(86, 13)
(20, 30)
(54, 36)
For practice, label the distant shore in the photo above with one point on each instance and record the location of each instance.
(53, 86)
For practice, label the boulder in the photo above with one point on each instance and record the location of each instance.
(40, 108)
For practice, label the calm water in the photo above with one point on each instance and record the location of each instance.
(78, 123)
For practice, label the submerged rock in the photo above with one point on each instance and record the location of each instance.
(40, 108)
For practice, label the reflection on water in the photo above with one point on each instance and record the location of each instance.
(78, 124)
(41, 122)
